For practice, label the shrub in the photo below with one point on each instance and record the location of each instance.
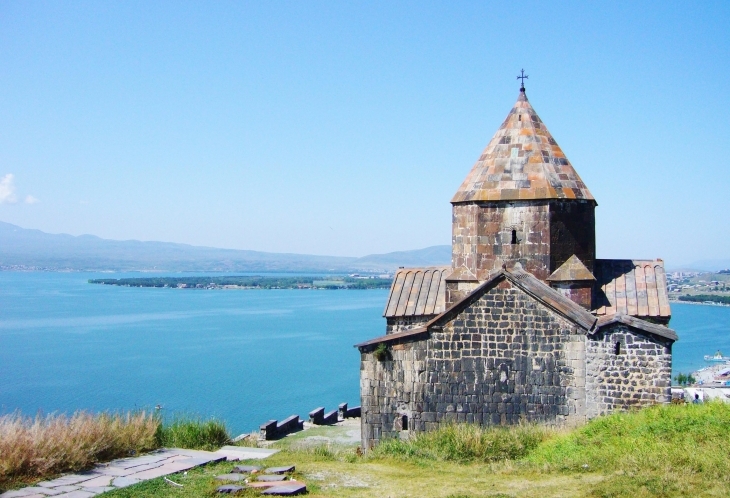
(381, 353)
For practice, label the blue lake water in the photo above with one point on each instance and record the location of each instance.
(244, 356)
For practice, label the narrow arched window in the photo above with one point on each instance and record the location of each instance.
(617, 349)
(404, 422)
(514, 236)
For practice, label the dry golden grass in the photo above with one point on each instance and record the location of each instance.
(33, 448)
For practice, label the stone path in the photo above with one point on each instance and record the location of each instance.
(127, 471)
(274, 481)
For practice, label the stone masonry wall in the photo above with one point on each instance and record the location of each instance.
(637, 374)
(501, 360)
(482, 237)
(401, 323)
(572, 231)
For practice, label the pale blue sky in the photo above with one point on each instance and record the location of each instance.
(344, 128)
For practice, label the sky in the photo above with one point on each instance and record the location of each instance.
(344, 128)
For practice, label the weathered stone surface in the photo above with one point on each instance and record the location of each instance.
(102, 480)
(478, 368)
(229, 489)
(123, 482)
(271, 478)
(34, 490)
(245, 469)
(234, 453)
(97, 489)
(287, 490)
(280, 470)
(77, 494)
(231, 477)
(626, 369)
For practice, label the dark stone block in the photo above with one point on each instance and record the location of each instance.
(287, 490)
(231, 477)
(229, 489)
(280, 470)
(271, 478)
(245, 469)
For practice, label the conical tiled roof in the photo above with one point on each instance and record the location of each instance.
(522, 161)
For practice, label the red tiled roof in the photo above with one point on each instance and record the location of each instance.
(522, 161)
(417, 291)
(631, 287)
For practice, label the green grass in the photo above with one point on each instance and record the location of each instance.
(193, 434)
(658, 451)
(467, 443)
(662, 451)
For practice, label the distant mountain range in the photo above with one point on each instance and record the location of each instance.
(22, 248)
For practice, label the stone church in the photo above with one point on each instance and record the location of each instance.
(526, 324)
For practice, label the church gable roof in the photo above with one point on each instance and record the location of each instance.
(573, 270)
(636, 323)
(417, 291)
(528, 283)
(522, 161)
(631, 287)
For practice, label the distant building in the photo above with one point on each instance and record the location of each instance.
(526, 323)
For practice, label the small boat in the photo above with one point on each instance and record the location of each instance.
(717, 357)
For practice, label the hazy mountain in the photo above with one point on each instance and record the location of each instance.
(705, 265)
(20, 247)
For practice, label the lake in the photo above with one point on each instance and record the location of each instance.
(244, 356)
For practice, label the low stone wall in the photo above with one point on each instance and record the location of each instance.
(344, 412)
(273, 429)
(319, 417)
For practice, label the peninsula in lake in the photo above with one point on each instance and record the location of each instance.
(251, 282)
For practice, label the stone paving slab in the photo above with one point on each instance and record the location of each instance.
(288, 490)
(264, 485)
(234, 453)
(123, 482)
(124, 472)
(154, 473)
(230, 489)
(271, 478)
(42, 491)
(231, 477)
(245, 469)
(98, 489)
(65, 488)
(98, 481)
(35, 490)
(77, 494)
(68, 480)
(280, 470)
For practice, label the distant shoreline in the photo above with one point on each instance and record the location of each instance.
(695, 303)
(255, 282)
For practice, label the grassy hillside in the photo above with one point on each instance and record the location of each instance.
(667, 451)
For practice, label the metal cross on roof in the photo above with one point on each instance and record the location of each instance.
(522, 77)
